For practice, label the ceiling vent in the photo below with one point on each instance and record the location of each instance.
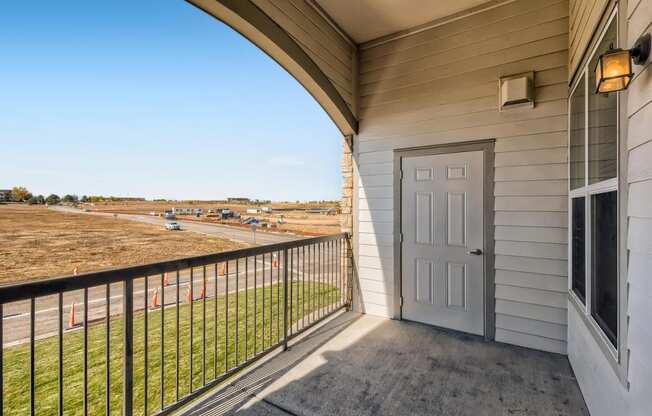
(516, 91)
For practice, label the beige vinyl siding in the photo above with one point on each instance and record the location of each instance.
(325, 46)
(611, 396)
(440, 86)
(639, 176)
(534, 312)
(584, 18)
(531, 262)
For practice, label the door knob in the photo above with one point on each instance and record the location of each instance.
(475, 252)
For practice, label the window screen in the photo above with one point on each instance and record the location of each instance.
(578, 261)
(604, 255)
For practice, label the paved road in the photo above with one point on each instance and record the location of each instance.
(259, 271)
(16, 319)
(225, 231)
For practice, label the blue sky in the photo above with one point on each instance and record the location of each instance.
(154, 99)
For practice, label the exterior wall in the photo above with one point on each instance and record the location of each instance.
(440, 86)
(604, 392)
(584, 18)
(639, 176)
(332, 53)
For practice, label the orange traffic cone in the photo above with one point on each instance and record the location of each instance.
(274, 261)
(222, 271)
(165, 280)
(153, 304)
(72, 320)
(189, 295)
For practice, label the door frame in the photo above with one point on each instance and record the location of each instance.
(487, 147)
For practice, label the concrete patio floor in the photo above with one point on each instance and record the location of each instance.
(362, 365)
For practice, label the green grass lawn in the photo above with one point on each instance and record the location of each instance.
(16, 359)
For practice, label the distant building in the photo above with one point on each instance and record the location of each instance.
(5, 195)
(181, 211)
(187, 211)
(239, 200)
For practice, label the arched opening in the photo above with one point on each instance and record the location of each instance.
(252, 23)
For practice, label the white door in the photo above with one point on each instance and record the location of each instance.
(442, 248)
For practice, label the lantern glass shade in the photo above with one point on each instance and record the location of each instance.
(613, 71)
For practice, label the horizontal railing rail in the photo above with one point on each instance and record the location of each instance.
(156, 346)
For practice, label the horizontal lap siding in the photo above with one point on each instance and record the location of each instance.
(440, 86)
(531, 261)
(639, 146)
(332, 54)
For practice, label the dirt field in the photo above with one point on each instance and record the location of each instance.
(37, 242)
(295, 220)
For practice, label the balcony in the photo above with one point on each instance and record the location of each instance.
(363, 365)
(263, 330)
(148, 339)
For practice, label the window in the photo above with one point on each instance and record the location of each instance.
(593, 193)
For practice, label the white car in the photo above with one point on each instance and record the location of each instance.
(172, 226)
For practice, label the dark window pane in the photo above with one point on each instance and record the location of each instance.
(604, 250)
(578, 244)
(577, 136)
(603, 120)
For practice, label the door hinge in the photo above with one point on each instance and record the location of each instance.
(400, 237)
(400, 173)
(400, 301)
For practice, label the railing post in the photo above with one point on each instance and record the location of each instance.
(285, 299)
(349, 273)
(128, 333)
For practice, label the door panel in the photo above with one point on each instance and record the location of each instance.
(456, 218)
(442, 222)
(424, 281)
(456, 285)
(424, 217)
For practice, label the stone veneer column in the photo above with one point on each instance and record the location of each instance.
(346, 220)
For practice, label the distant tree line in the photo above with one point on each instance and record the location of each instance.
(52, 199)
(22, 194)
(102, 198)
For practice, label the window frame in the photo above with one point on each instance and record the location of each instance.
(613, 352)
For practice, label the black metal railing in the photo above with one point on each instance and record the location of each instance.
(152, 337)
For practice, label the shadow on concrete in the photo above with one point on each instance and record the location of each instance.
(230, 398)
(362, 365)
